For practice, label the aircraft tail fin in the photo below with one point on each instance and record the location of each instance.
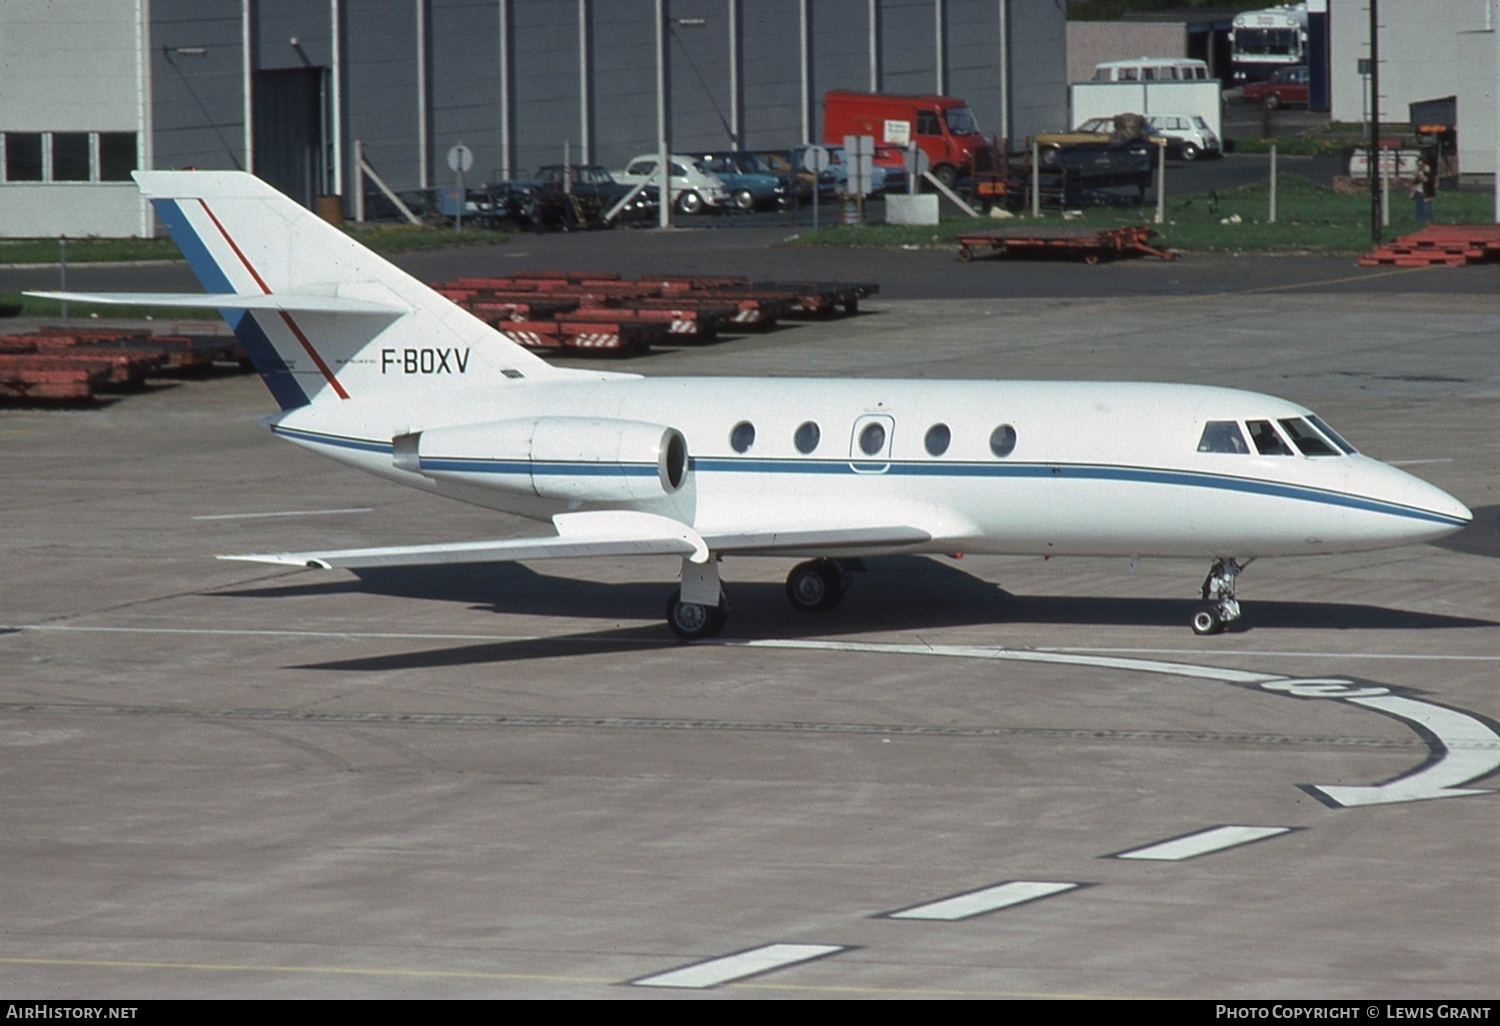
(322, 318)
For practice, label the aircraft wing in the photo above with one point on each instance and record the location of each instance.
(605, 533)
(286, 302)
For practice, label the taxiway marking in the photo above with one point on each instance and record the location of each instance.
(1203, 842)
(1463, 747)
(987, 899)
(742, 965)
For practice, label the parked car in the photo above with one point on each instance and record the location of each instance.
(780, 163)
(1284, 88)
(892, 161)
(694, 188)
(1187, 135)
(751, 183)
(594, 193)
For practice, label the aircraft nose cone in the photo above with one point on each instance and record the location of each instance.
(1435, 513)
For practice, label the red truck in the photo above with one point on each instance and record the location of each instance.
(943, 127)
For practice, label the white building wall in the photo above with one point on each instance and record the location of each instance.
(1428, 50)
(72, 66)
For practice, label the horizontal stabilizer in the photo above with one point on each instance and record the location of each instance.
(283, 301)
(603, 533)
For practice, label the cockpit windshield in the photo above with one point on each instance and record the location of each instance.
(1309, 434)
(1305, 438)
(1332, 435)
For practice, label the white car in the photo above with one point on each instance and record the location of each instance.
(694, 188)
(1188, 134)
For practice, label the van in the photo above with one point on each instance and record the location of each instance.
(943, 127)
(1151, 69)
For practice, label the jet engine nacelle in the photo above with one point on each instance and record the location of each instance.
(586, 459)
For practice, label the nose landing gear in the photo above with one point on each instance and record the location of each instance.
(1218, 591)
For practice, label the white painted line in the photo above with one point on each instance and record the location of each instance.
(1285, 654)
(285, 513)
(1413, 463)
(737, 967)
(930, 650)
(988, 899)
(1470, 751)
(1203, 843)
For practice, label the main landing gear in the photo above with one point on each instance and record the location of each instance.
(1218, 591)
(818, 585)
(692, 621)
(813, 586)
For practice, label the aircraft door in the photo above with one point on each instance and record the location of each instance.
(870, 443)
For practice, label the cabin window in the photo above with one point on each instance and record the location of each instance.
(872, 439)
(927, 123)
(938, 439)
(806, 438)
(1305, 438)
(1267, 441)
(1222, 436)
(1330, 434)
(742, 437)
(1003, 440)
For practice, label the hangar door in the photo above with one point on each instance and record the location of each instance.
(290, 131)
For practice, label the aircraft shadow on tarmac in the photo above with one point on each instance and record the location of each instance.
(899, 593)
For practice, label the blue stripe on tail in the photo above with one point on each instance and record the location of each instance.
(279, 378)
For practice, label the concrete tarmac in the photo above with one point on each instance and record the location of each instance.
(222, 779)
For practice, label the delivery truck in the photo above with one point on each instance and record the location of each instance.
(943, 127)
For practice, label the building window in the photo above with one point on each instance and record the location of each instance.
(70, 156)
(23, 156)
(117, 156)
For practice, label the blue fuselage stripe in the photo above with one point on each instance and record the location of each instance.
(952, 469)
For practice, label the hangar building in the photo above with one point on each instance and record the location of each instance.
(286, 88)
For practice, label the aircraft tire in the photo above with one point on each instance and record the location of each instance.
(1206, 621)
(691, 621)
(815, 586)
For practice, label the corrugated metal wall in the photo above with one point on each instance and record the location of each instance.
(560, 51)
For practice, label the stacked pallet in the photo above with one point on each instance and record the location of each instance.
(59, 363)
(606, 313)
(1450, 245)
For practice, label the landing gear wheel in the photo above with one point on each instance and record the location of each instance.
(692, 621)
(1218, 591)
(1206, 621)
(815, 586)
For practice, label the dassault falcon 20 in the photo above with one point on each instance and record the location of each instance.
(374, 369)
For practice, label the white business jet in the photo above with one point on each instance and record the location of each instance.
(374, 369)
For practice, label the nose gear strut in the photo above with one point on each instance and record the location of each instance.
(1218, 592)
